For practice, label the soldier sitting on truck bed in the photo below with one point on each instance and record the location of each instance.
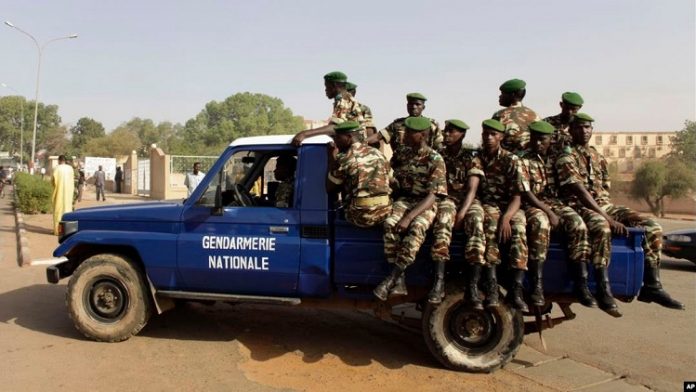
(420, 182)
(583, 173)
(362, 173)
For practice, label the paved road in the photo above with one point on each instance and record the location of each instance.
(259, 348)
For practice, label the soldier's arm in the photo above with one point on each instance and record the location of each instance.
(324, 130)
(504, 228)
(472, 187)
(334, 178)
(589, 202)
(531, 198)
(426, 203)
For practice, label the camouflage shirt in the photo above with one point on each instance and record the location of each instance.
(585, 166)
(347, 108)
(516, 119)
(394, 135)
(363, 171)
(561, 137)
(423, 172)
(367, 115)
(538, 176)
(283, 195)
(458, 165)
(502, 178)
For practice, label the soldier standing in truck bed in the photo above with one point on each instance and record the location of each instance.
(515, 116)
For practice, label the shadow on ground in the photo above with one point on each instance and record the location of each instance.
(39, 308)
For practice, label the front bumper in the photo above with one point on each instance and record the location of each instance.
(59, 271)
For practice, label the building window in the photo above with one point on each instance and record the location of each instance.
(612, 139)
(629, 140)
(622, 152)
(607, 152)
(651, 152)
(659, 140)
(598, 140)
(643, 140)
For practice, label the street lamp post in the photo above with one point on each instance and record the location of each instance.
(21, 125)
(39, 49)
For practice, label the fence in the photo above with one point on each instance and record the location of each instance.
(179, 165)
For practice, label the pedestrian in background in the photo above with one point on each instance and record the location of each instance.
(118, 178)
(62, 197)
(80, 183)
(194, 178)
(99, 181)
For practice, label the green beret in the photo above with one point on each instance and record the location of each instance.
(493, 124)
(351, 86)
(572, 98)
(582, 117)
(417, 124)
(336, 76)
(416, 96)
(541, 127)
(512, 85)
(347, 127)
(457, 124)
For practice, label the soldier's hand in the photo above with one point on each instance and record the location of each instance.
(403, 224)
(504, 231)
(618, 228)
(554, 220)
(331, 151)
(297, 140)
(459, 221)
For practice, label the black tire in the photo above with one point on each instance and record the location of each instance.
(465, 339)
(108, 299)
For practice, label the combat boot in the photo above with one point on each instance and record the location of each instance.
(472, 293)
(605, 298)
(581, 290)
(515, 295)
(537, 282)
(652, 290)
(399, 287)
(438, 291)
(383, 289)
(492, 292)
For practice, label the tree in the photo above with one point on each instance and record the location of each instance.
(119, 142)
(655, 180)
(242, 114)
(684, 143)
(55, 142)
(11, 123)
(150, 133)
(85, 130)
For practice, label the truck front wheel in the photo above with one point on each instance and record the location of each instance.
(107, 298)
(465, 339)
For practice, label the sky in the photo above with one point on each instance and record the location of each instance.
(633, 61)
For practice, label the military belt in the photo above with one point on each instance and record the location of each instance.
(371, 201)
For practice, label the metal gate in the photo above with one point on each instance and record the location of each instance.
(144, 177)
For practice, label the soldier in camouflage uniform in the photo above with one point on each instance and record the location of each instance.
(285, 173)
(419, 183)
(583, 173)
(515, 117)
(345, 108)
(499, 192)
(545, 212)
(570, 104)
(362, 173)
(458, 160)
(394, 132)
(369, 125)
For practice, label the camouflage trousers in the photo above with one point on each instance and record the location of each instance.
(367, 216)
(401, 248)
(442, 229)
(539, 230)
(652, 243)
(538, 233)
(518, 242)
(599, 236)
(475, 247)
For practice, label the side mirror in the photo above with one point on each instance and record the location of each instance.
(217, 209)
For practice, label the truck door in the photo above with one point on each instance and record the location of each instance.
(252, 247)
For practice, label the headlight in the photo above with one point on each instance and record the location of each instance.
(679, 238)
(65, 228)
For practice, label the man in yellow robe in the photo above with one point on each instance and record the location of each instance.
(63, 188)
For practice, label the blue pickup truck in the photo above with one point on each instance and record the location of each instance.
(228, 242)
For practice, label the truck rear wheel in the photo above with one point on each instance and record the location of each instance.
(107, 298)
(465, 339)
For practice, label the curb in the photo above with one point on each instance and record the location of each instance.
(23, 254)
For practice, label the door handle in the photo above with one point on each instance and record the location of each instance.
(279, 229)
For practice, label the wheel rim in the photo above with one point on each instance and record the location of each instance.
(473, 330)
(106, 300)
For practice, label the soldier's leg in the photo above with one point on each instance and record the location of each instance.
(490, 229)
(410, 245)
(518, 260)
(474, 251)
(579, 251)
(538, 232)
(442, 233)
(391, 244)
(600, 240)
(652, 290)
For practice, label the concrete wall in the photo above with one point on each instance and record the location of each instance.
(130, 174)
(159, 174)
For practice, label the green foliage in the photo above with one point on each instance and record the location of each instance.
(655, 180)
(85, 130)
(240, 115)
(684, 143)
(33, 194)
(122, 141)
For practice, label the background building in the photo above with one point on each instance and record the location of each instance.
(627, 150)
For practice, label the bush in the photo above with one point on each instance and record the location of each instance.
(33, 194)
